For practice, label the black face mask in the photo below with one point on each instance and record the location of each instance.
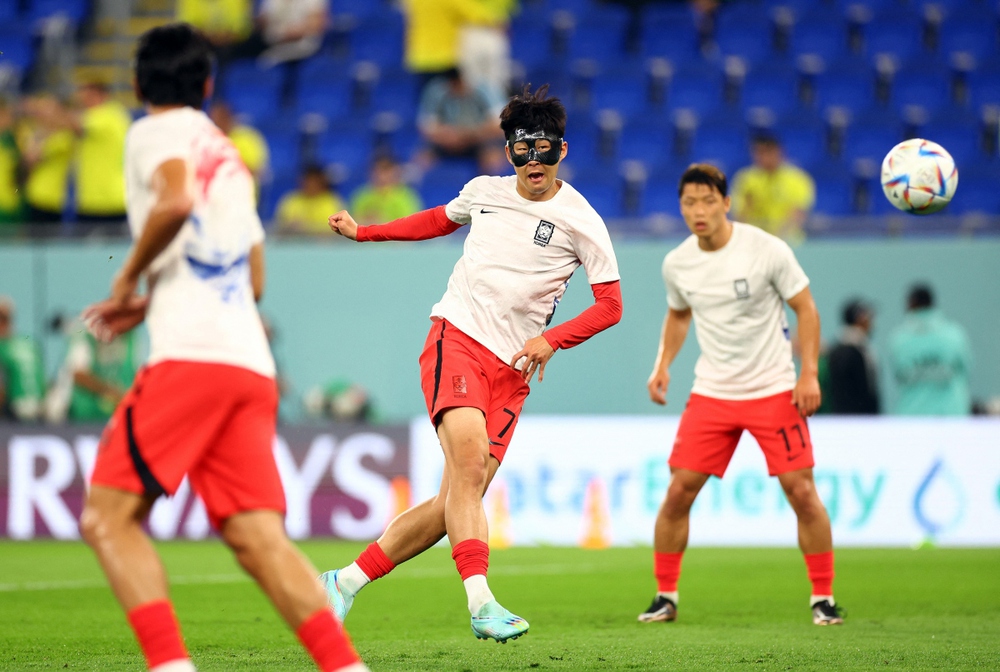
(549, 157)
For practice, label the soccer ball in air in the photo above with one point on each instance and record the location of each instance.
(919, 176)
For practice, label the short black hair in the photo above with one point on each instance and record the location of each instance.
(704, 173)
(920, 296)
(534, 110)
(172, 64)
(766, 139)
(854, 309)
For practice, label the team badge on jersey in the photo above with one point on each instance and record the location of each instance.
(742, 288)
(543, 234)
(458, 385)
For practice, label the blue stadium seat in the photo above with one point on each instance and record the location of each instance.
(600, 34)
(531, 44)
(826, 39)
(254, 91)
(8, 11)
(700, 93)
(961, 142)
(284, 143)
(984, 89)
(773, 90)
(834, 196)
(616, 90)
(751, 44)
(379, 40)
(871, 141)
(803, 145)
(332, 100)
(647, 139)
(444, 180)
(362, 9)
(978, 37)
(928, 88)
(603, 190)
(396, 92)
(976, 194)
(348, 143)
(845, 90)
(671, 39)
(76, 10)
(18, 50)
(725, 147)
(902, 36)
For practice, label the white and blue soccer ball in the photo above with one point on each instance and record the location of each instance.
(919, 176)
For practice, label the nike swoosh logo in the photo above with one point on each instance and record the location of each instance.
(487, 212)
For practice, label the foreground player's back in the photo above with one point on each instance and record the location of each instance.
(203, 306)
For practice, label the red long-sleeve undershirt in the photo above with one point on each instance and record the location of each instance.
(422, 225)
(433, 223)
(606, 312)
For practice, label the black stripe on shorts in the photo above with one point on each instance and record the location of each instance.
(150, 485)
(437, 367)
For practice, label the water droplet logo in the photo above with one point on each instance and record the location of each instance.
(939, 502)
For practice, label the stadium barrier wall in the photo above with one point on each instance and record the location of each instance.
(360, 312)
(587, 481)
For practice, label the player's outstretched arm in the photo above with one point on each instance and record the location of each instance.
(675, 329)
(257, 271)
(420, 226)
(806, 396)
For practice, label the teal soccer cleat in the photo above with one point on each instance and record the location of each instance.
(494, 622)
(339, 599)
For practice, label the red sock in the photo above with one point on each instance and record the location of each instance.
(471, 557)
(326, 641)
(820, 568)
(374, 562)
(667, 569)
(155, 626)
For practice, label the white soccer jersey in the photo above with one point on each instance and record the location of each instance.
(202, 308)
(518, 259)
(736, 295)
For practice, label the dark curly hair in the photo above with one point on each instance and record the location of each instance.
(534, 110)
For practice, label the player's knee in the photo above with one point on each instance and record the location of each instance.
(98, 523)
(679, 500)
(469, 470)
(803, 498)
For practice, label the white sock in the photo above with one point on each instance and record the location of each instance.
(672, 596)
(352, 579)
(478, 592)
(175, 666)
(814, 599)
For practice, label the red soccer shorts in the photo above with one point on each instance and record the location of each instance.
(213, 422)
(710, 429)
(457, 371)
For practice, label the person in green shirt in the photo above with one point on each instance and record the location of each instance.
(101, 373)
(23, 392)
(307, 209)
(930, 359)
(385, 197)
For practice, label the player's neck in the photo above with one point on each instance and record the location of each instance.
(718, 239)
(159, 109)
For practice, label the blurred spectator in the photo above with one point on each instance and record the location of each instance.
(93, 378)
(432, 31)
(339, 400)
(930, 359)
(100, 124)
(47, 153)
(772, 193)
(307, 209)
(385, 197)
(11, 206)
(21, 370)
(224, 22)
(284, 30)
(852, 369)
(459, 120)
(248, 141)
(484, 48)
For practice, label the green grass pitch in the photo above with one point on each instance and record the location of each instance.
(741, 609)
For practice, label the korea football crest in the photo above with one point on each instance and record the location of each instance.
(543, 234)
(742, 288)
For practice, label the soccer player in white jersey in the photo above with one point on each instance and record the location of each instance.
(733, 280)
(205, 405)
(528, 233)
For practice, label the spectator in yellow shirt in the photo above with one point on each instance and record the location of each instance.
(307, 209)
(10, 163)
(224, 22)
(385, 197)
(433, 28)
(772, 193)
(47, 152)
(101, 127)
(248, 141)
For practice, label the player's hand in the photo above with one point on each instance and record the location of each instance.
(657, 385)
(806, 395)
(344, 224)
(107, 320)
(537, 353)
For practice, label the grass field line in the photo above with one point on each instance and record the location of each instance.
(206, 579)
